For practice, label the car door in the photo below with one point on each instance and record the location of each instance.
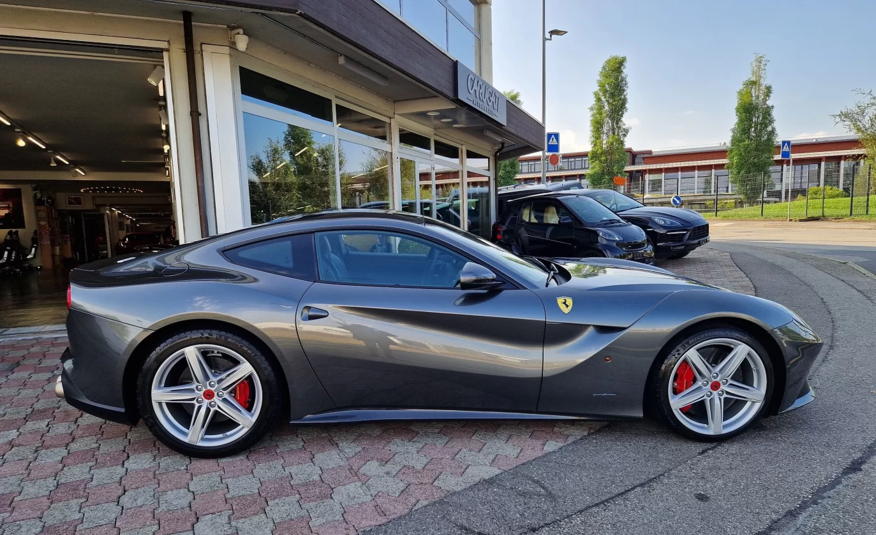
(385, 327)
(530, 231)
(559, 234)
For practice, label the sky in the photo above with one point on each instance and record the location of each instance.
(686, 59)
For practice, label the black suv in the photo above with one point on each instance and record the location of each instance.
(566, 224)
(673, 232)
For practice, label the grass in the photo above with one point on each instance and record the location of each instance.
(833, 208)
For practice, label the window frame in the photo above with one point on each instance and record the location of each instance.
(507, 284)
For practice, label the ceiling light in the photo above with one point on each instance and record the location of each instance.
(167, 172)
(157, 75)
(36, 142)
(80, 171)
(266, 174)
(20, 141)
(362, 70)
(433, 113)
(381, 167)
(162, 114)
(458, 125)
(52, 162)
(58, 156)
(5, 121)
(161, 88)
(447, 120)
(302, 150)
(166, 147)
(281, 165)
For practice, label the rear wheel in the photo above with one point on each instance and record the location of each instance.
(713, 385)
(208, 393)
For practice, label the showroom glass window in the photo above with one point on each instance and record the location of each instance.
(478, 184)
(307, 153)
(450, 24)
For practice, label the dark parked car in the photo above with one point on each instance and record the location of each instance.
(567, 224)
(507, 194)
(360, 315)
(674, 232)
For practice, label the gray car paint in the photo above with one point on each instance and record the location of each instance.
(479, 350)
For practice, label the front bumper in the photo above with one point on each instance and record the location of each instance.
(74, 396)
(644, 254)
(665, 249)
(800, 346)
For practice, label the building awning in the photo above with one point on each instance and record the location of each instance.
(395, 62)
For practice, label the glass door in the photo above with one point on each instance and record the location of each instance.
(417, 186)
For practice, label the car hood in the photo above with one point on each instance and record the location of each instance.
(610, 292)
(681, 214)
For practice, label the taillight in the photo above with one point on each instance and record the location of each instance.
(69, 297)
(497, 231)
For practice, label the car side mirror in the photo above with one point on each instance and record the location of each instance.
(565, 220)
(476, 277)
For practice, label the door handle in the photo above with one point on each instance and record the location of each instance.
(312, 313)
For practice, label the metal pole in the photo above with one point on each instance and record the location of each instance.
(807, 195)
(852, 193)
(869, 175)
(822, 188)
(716, 197)
(543, 90)
(790, 182)
(762, 191)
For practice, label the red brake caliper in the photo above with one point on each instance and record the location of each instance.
(242, 392)
(684, 379)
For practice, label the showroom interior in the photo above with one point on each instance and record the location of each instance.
(167, 122)
(85, 166)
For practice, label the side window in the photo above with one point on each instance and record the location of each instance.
(376, 258)
(291, 256)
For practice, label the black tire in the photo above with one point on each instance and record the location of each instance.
(272, 397)
(679, 255)
(662, 377)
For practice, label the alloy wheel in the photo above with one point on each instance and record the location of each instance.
(718, 386)
(206, 395)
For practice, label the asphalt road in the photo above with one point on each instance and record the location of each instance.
(809, 471)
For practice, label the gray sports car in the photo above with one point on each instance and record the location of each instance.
(368, 315)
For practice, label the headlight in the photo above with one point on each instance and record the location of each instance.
(664, 222)
(608, 235)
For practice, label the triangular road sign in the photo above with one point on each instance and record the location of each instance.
(552, 140)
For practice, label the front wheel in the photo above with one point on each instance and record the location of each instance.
(713, 385)
(208, 393)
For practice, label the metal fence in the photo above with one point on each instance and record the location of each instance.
(826, 190)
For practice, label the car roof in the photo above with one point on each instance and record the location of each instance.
(551, 195)
(352, 213)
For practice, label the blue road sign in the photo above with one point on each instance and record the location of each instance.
(553, 142)
(676, 200)
(786, 150)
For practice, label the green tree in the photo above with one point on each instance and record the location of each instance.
(508, 169)
(753, 137)
(608, 133)
(860, 119)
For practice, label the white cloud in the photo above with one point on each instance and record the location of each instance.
(569, 142)
(634, 122)
(690, 112)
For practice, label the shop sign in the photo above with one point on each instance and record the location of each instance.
(477, 93)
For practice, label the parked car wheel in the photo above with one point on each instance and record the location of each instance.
(208, 393)
(713, 385)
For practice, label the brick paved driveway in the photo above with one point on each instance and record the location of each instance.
(62, 471)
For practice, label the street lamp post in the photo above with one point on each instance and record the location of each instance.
(544, 39)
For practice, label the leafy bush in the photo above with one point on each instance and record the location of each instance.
(830, 192)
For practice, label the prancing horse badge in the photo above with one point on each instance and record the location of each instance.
(565, 304)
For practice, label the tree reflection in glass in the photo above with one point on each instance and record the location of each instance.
(292, 170)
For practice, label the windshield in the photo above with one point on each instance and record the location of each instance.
(589, 211)
(531, 272)
(613, 200)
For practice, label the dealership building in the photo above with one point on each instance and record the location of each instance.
(702, 171)
(129, 121)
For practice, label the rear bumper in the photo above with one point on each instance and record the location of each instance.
(74, 396)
